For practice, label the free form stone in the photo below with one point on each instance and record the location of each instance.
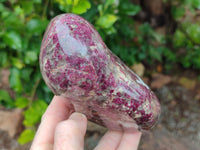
(76, 64)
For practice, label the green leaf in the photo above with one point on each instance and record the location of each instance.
(169, 54)
(13, 40)
(130, 9)
(12, 1)
(13, 22)
(109, 2)
(2, 8)
(179, 39)
(44, 93)
(15, 81)
(17, 63)
(81, 7)
(18, 10)
(35, 46)
(37, 26)
(2, 1)
(25, 43)
(3, 58)
(2, 45)
(5, 14)
(26, 73)
(158, 37)
(155, 53)
(21, 102)
(68, 2)
(34, 113)
(5, 99)
(30, 57)
(196, 62)
(186, 61)
(27, 6)
(26, 136)
(106, 21)
(37, 1)
(193, 31)
(100, 9)
(178, 12)
(196, 3)
(110, 30)
(145, 29)
(142, 56)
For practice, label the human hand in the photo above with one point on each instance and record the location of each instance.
(61, 129)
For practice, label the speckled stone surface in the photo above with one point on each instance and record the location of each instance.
(76, 64)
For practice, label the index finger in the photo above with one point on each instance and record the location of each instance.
(59, 110)
(130, 141)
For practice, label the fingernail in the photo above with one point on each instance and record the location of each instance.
(77, 115)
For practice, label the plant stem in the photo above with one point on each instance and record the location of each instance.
(45, 8)
(34, 91)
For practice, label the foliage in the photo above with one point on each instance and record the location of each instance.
(5, 99)
(21, 32)
(186, 39)
(74, 6)
(26, 136)
(34, 113)
(22, 24)
(21, 102)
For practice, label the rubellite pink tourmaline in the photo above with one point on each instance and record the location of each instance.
(76, 64)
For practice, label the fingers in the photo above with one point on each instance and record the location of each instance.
(115, 140)
(54, 133)
(59, 109)
(130, 141)
(70, 134)
(110, 141)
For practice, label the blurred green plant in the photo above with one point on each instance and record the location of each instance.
(21, 32)
(5, 99)
(186, 39)
(74, 6)
(22, 24)
(26, 136)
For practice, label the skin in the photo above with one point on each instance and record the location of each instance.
(61, 129)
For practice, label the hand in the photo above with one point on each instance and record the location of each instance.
(61, 129)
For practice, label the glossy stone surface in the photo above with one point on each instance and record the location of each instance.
(76, 64)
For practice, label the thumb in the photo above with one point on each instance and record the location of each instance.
(69, 134)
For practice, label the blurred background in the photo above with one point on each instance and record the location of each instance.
(158, 39)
